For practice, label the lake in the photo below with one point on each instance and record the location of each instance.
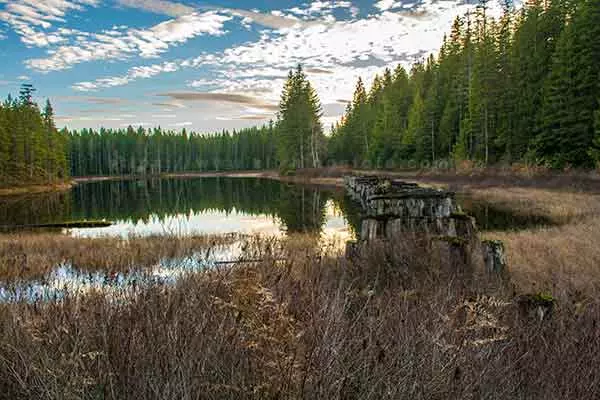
(187, 207)
(217, 205)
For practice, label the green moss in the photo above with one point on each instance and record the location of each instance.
(492, 242)
(543, 298)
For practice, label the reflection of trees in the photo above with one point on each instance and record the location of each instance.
(351, 210)
(38, 209)
(302, 209)
(299, 208)
(134, 201)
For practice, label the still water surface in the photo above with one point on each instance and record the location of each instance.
(218, 205)
(187, 207)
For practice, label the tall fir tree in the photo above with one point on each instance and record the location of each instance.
(570, 102)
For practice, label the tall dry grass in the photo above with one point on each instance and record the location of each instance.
(397, 323)
(30, 256)
(563, 259)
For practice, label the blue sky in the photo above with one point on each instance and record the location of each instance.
(202, 65)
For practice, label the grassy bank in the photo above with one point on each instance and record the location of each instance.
(395, 324)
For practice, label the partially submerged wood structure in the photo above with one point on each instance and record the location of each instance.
(394, 211)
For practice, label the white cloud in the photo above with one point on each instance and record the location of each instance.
(136, 124)
(159, 6)
(182, 124)
(142, 72)
(23, 78)
(323, 8)
(385, 5)
(257, 70)
(350, 48)
(30, 19)
(275, 19)
(144, 42)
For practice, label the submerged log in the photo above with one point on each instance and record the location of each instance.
(63, 225)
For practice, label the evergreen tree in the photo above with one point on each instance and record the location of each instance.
(571, 92)
(299, 129)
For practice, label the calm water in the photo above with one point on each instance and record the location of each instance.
(187, 206)
(217, 205)
(195, 206)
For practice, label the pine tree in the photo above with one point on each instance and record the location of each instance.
(299, 128)
(568, 113)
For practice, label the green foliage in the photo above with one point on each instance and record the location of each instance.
(520, 87)
(32, 150)
(156, 151)
(570, 97)
(300, 139)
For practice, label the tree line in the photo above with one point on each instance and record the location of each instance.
(521, 88)
(154, 151)
(32, 150)
(295, 140)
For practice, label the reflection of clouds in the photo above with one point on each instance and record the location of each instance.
(217, 222)
(66, 280)
(209, 222)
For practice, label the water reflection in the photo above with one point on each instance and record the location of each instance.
(68, 280)
(490, 217)
(183, 207)
(196, 206)
(217, 205)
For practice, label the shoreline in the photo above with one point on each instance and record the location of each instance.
(578, 181)
(37, 189)
(267, 174)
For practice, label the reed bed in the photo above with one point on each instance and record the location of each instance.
(30, 256)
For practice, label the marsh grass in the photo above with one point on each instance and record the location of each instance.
(29, 256)
(398, 322)
(564, 258)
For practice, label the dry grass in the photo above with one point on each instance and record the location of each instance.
(396, 324)
(29, 256)
(560, 206)
(563, 259)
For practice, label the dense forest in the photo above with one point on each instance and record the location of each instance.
(524, 87)
(149, 152)
(32, 150)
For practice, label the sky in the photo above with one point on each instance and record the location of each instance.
(206, 65)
